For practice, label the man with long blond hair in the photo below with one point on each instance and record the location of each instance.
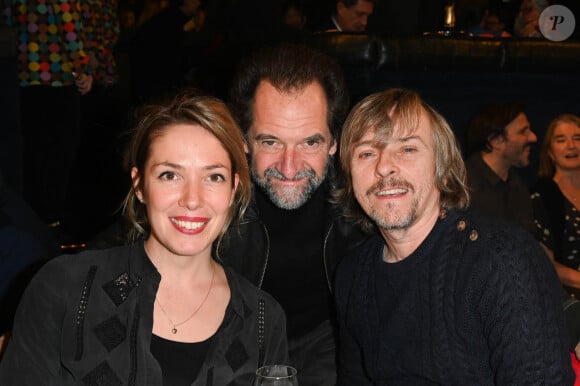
(439, 296)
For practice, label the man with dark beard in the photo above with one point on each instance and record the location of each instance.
(499, 139)
(440, 295)
(290, 102)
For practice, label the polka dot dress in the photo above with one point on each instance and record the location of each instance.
(50, 41)
(101, 24)
(572, 236)
(570, 248)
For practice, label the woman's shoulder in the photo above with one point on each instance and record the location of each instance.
(75, 265)
(89, 257)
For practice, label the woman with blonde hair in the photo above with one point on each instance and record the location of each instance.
(161, 310)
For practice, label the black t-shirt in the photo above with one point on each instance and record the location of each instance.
(180, 362)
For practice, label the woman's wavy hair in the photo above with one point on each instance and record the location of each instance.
(546, 163)
(391, 110)
(186, 108)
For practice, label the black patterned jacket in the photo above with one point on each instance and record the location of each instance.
(86, 319)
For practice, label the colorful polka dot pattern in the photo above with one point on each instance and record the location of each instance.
(50, 41)
(101, 24)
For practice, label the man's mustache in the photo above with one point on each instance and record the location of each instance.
(391, 183)
(274, 173)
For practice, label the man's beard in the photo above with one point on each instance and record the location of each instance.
(401, 223)
(390, 222)
(524, 159)
(289, 197)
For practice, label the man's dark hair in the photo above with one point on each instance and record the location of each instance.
(289, 67)
(489, 123)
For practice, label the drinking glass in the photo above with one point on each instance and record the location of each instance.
(276, 375)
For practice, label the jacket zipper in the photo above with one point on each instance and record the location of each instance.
(261, 331)
(326, 273)
(267, 256)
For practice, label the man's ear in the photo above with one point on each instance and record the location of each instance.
(495, 141)
(333, 147)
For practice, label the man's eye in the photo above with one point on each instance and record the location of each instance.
(365, 154)
(309, 146)
(311, 143)
(409, 150)
(268, 143)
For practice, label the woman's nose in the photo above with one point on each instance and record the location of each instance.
(190, 195)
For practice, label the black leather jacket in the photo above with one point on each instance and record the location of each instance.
(246, 246)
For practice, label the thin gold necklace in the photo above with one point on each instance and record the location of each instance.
(175, 325)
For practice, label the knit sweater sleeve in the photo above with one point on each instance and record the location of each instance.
(518, 302)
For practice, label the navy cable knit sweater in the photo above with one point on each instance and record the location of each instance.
(477, 303)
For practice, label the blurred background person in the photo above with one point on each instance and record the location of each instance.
(158, 64)
(348, 16)
(492, 25)
(526, 24)
(556, 198)
(52, 78)
(102, 120)
(293, 14)
(293, 21)
(498, 143)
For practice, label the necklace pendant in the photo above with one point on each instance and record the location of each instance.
(174, 330)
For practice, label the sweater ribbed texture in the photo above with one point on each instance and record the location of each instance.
(480, 305)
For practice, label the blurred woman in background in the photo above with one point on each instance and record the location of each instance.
(556, 197)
